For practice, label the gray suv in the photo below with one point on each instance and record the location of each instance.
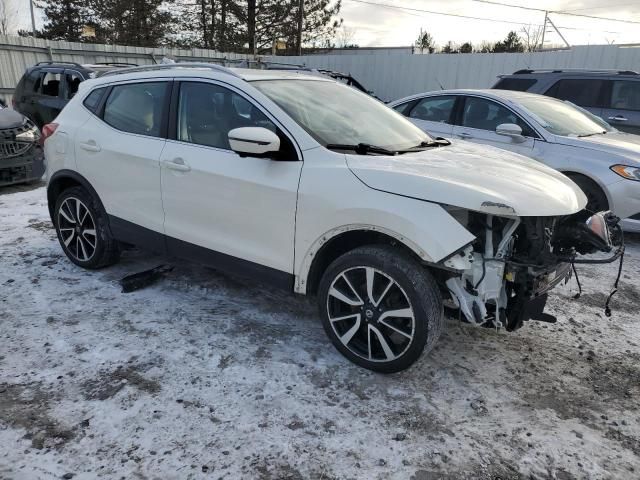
(613, 95)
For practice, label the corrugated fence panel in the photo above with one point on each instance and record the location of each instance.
(389, 76)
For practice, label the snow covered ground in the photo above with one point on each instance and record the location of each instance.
(208, 376)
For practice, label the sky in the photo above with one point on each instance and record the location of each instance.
(384, 26)
(376, 25)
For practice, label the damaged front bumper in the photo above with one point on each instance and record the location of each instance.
(504, 278)
(28, 166)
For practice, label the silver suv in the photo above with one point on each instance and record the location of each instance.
(613, 95)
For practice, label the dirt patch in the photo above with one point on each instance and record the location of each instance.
(45, 227)
(27, 407)
(108, 384)
(617, 378)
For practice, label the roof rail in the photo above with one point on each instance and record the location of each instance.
(53, 63)
(172, 66)
(575, 70)
(115, 64)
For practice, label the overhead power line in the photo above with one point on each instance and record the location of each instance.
(559, 12)
(456, 15)
(635, 3)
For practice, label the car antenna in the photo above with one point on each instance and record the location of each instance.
(441, 87)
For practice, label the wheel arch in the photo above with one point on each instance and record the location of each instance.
(340, 240)
(61, 181)
(576, 173)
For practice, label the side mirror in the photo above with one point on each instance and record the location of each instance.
(253, 141)
(511, 130)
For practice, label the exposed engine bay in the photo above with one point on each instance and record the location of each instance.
(503, 278)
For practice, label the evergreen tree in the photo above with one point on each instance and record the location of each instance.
(64, 19)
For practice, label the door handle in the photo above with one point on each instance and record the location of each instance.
(619, 118)
(177, 164)
(90, 146)
(465, 135)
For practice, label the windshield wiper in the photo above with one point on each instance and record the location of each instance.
(592, 134)
(438, 142)
(361, 148)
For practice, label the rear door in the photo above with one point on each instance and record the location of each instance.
(118, 151)
(623, 105)
(478, 119)
(432, 114)
(48, 96)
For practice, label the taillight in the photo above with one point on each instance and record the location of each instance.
(48, 130)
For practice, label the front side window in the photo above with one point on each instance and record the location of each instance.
(335, 114)
(583, 92)
(207, 112)
(625, 95)
(434, 109)
(136, 107)
(50, 84)
(560, 118)
(485, 114)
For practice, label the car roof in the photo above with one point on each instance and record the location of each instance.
(510, 95)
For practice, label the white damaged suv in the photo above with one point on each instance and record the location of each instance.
(306, 183)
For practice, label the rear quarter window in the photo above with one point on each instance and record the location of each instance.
(92, 102)
(515, 84)
(136, 108)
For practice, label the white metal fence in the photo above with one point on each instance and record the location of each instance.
(389, 76)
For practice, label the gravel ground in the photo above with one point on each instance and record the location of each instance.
(207, 376)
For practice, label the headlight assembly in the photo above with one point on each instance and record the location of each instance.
(630, 173)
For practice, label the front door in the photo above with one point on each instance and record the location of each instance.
(235, 212)
(478, 122)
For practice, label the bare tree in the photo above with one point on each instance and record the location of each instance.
(344, 37)
(532, 37)
(7, 16)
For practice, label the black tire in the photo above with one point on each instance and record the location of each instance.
(73, 236)
(596, 198)
(413, 286)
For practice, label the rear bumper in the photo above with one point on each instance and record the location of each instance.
(27, 167)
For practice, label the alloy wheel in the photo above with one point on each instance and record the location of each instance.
(77, 229)
(370, 314)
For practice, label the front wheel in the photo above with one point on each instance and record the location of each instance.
(380, 308)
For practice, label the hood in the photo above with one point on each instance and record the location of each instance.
(10, 119)
(475, 177)
(619, 143)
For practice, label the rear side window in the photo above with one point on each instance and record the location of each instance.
(434, 109)
(625, 95)
(516, 84)
(136, 108)
(93, 99)
(583, 92)
(403, 108)
(50, 84)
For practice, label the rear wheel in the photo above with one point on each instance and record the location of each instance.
(380, 308)
(596, 198)
(83, 232)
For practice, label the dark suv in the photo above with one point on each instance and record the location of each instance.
(45, 88)
(613, 95)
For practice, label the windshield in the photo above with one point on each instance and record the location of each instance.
(335, 114)
(560, 118)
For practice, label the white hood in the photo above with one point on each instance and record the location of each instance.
(618, 143)
(475, 177)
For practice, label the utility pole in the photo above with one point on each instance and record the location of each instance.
(299, 36)
(33, 19)
(544, 29)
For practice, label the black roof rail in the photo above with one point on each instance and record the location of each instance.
(123, 64)
(55, 63)
(575, 70)
(170, 66)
